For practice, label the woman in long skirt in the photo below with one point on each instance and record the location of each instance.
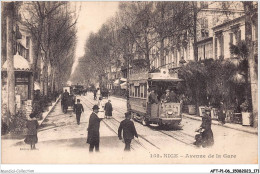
(32, 126)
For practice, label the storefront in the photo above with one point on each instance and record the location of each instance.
(23, 87)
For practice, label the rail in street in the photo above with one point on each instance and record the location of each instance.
(145, 143)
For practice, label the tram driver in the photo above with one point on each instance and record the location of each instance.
(165, 98)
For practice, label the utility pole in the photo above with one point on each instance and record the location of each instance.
(10, 61)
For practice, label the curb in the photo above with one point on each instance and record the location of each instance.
(52, 107)
(225, 125)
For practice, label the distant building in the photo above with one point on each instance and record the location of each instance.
(230, 32)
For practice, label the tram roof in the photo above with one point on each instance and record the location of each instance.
(163, 75)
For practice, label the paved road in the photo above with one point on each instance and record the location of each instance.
(61, 140)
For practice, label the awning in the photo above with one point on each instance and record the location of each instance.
(123, 85)
(20, 64)
(123, 79)
(116, 82)
(36, 86)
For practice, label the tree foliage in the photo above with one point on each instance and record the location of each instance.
(52, 25)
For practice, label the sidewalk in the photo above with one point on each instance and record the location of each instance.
(45, 114)
(239, 127)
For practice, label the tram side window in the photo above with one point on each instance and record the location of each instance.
(142, 91)
(133, 90)
(137, 91)
(130, 91)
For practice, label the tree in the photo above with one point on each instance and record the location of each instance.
(52, 25)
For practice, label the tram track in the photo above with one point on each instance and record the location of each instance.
(107, 125)
(179, 136)
(114, 127)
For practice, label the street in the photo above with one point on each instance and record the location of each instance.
(61, 140)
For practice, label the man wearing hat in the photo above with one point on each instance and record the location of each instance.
(93, 130)
(129, 131)
(153, 97)
(78, 109)
(166, 97)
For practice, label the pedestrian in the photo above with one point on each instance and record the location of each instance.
(95, 94)
(205, 137)
(222, 114)
(78, 109)
(32, 126)
(93, 130)
(65, 100)
(129, 131)
(108, 109)
(101, 105)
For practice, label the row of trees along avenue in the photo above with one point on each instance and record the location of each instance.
(138, 27)
(51, 27)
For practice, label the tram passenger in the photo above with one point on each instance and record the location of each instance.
(78, 109)
(153, 97)
(173, 97)
(129, 131)
(166, 97)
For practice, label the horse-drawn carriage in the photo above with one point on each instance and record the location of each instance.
(78, 90)
(104, 92)
(68, 98)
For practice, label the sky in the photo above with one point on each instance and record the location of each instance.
(91, 17)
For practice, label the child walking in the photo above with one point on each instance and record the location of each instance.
(32, 126)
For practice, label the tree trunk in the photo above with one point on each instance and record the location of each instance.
(195, 45)
(162, 52)
(31, 88)
(147, 57)
(248, 7)
(10, 62)
(45, 77)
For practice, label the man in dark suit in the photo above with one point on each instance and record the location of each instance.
(93, 130)
(153, 97)
(65, 100)
(78, 109)
(129, 131)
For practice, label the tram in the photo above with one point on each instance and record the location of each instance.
(161, 113)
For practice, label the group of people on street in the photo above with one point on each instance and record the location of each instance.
(204, 137)
(126, 125)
